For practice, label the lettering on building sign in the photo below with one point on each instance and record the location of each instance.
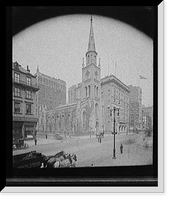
(25, 119)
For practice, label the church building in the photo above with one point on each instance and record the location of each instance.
(83, 113)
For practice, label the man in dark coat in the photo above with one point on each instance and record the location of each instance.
(121, 148)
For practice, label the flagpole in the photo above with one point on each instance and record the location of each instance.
(115, 67)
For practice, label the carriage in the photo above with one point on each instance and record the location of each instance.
(34, 159)
(31, 159)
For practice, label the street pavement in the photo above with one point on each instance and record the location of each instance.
(92, 153)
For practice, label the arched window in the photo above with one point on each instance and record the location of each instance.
(88, 59)
(86, 91)
(96, 110)
(97, 91)
(89, 90)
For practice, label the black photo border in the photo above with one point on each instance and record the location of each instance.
(21, 17)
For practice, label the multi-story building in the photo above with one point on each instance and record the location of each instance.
(24, 102)
(51, 94)
(52, 91)
(147, 117)
(135, 108)
(114, 93)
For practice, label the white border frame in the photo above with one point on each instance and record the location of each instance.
(160, 187)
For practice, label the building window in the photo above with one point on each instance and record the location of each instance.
(16, 107)
(17, 77)
(114, 95)
(88, 59)
(28, 80)
(28, 108)
(86, 91)
(28, 94)
(89, 90)
(17, 92)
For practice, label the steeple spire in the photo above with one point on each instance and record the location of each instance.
(91, 55)
(91, 44)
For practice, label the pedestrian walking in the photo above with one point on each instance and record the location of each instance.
(121, 148)
(35, 141)
(100, 138)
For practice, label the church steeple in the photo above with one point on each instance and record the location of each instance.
(91, 44)
(91, 55)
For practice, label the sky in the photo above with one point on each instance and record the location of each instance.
(57, 46)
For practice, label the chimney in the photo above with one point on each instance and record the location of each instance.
(28, 68)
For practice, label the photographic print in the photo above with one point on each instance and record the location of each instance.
(84, 96)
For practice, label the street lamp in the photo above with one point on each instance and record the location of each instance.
(114, 121)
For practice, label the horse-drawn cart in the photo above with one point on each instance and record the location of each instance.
(31, 159)
(34, 159)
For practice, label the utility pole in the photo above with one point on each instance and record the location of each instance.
(114, 124)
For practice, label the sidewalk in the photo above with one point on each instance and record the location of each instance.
(51, 140)
(133, 154)
(42, 141)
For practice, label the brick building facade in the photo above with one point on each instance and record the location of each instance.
(24, 102)
(135, 108)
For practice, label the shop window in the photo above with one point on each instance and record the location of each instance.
(29, 132)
